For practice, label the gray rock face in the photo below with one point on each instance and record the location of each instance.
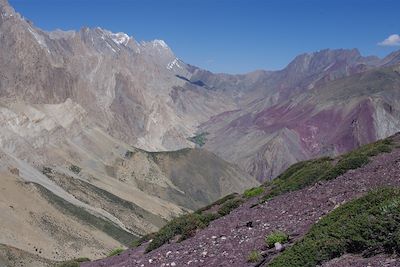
(72, 107)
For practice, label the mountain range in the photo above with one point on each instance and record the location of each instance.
(113, 137)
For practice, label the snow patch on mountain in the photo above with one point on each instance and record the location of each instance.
(159, 43)
(40, 39)
(120, 38)
(174, 63)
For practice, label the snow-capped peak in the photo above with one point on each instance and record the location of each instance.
(160, 43)
(120, 38)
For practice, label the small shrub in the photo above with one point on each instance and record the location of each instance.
(276, 237)
(138, 242)
(75, 169)
(367, 226)
(185, 226)
(349, 162)
(256, 191)
(115, 252)
(228, 206)
(199, 139)
(306, 173)
(254, 256)
(218, 202)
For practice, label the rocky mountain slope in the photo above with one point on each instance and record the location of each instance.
(79, 111)
(72, 104)
(246, 236)
(328, 119)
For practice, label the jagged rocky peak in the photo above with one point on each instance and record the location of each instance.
(6, 10)
(323, 58)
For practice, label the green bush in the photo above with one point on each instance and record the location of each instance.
(298, 176)
(136, 243)
(218, 202)
(368, 225)
(306, 173)
(115, 252)
(276, 237)
(185, 226)
(256, 191)
(199, 139)
(346, 163)
(254, 256)
(229, 205)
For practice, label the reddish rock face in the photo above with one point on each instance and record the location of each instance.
(334, 117)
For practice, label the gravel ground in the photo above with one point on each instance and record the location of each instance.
(228, 240)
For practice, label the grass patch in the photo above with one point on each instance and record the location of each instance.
(185, 226)
(276, 237)
(115, 252)
(306, 173)
(368, 226)
(256, 191)
(298, 176)
(199, 139)
(229, 205)
(254, 256)
(218, 202)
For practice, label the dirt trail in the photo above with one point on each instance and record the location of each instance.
(228, 241)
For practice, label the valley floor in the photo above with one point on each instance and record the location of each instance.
(229, 240)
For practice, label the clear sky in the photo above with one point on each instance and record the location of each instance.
(233, 36)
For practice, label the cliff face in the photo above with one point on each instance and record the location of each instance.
(72, 105)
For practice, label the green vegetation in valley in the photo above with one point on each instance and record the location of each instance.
(368, 226)
(115, 252)
(73, 263)
(306, 173)
(254, 256)
(256, 191)
(199, 139)
(276, 237)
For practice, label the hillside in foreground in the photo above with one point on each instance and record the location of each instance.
(329, 212)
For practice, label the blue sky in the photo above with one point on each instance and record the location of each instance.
(233, 36)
